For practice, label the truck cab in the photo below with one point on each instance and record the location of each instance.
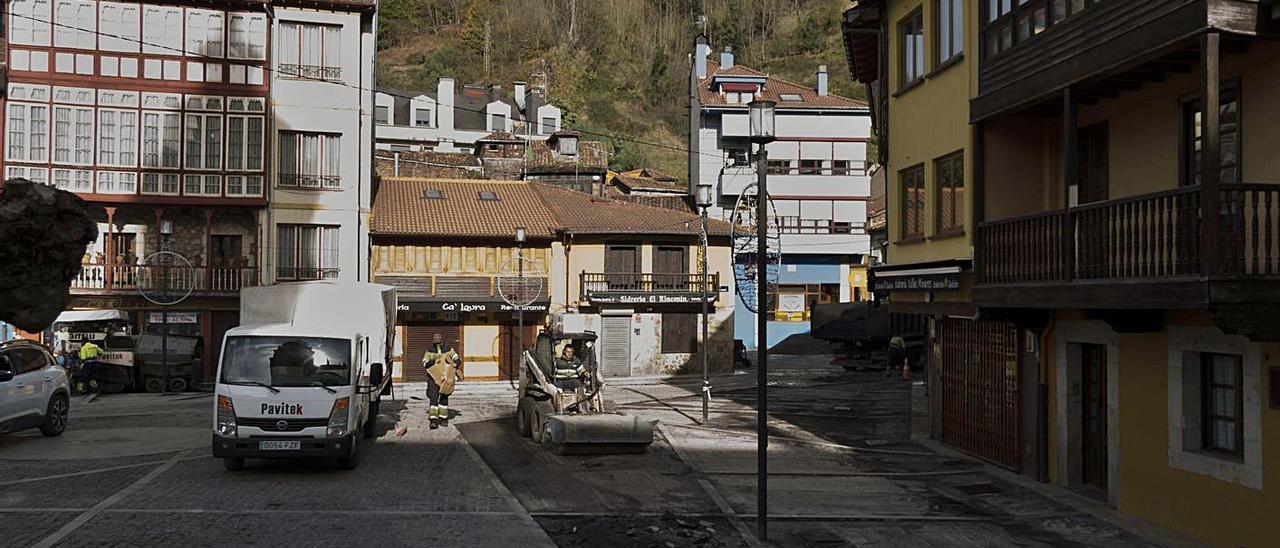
(304, 380)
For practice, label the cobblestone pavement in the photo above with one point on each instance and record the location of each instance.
(845, 471)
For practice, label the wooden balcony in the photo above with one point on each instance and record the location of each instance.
(99, 278)
(1145, 251)
(647, 288)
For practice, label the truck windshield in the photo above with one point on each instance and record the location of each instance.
(287, 361)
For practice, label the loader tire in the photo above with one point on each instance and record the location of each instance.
(541, 410)
(524, 417)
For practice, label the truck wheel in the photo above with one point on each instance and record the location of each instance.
(177, 384)
(524, 417)
(350, 463)
(541, 410)
(153, 385)
(233, 464)
(371, 424)
(55, 416)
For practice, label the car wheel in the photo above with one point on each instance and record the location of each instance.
(233, 464)
(55, 416)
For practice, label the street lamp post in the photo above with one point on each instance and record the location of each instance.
(166, 231)
(761, 120)
(705, 198)
(520, 238)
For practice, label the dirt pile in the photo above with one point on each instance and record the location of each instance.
(665, 531)
(43, 235)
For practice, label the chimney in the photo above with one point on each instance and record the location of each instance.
(822, 80)
(726, 58)
(519, 88)
(701, 50)
(495, 92)
(445, 100)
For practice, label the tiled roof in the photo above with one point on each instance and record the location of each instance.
(592, 156)
(647, 179)
(401, 209)
(774, 88)
(455, 165)
(544, 210)
(499, 137)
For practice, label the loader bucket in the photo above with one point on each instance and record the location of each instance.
(597, 434)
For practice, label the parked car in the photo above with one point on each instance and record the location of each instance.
(34, 391)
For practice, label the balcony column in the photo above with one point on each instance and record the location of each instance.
(1210, 160)
(208, 249)
(108, 276)
(1070, 176)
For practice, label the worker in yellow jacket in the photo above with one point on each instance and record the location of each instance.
(444, 369)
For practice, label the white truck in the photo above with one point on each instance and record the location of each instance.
(302, 375)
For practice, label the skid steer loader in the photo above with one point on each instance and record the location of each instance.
(573, 421)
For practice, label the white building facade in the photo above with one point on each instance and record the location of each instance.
(817, 180)
(322, 105)
(453, 118)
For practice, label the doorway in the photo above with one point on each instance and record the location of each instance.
(1087, 407)
(1093, 434)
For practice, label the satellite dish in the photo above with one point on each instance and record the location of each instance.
(745, 249)
(166, 278)
(520, 281)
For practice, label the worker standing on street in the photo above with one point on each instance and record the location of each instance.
(897, 358)
(443, 368)
(89, 352)
(569, 370)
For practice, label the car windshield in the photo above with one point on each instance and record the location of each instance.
(287, 361)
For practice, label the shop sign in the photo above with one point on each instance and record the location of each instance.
(470, 306)
(174, 317)
(921, 282)
(791, 302)
(648, 298)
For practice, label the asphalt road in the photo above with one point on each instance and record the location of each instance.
(135, 470)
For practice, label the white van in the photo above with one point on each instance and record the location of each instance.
(302, 375)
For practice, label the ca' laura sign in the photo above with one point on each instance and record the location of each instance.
(470, 306)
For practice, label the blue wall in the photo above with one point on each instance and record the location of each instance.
(809, 269)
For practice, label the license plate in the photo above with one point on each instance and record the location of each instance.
(279, 445)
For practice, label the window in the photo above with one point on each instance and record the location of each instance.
(310, 160)
(204, 141)
(487, 196)
(74, 180)
(841, 167)
(244, 142)
(310, 51)
(121, 27)
(30, 22)
(791, 97)
(1009, 23)
(72, 135)
(117, 182)
(497, 122)
(28, 132)
(242, 185)
(739, 156)
(75, 24)
(948, 171)
(382, 114)
(950, 34)
(205, 33)
(248, 36)
(307, 252)
(548, 125)
(202, 185)
(422, 117)
(161, 135)
(162, 30)
(118, 137)
(1222, 395)
(1229, 145)
(811, 167)
(780, 167)
(679, 333)
(911, 35)
(160, 183)
(912, 180)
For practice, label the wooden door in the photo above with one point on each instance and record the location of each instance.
(670, 268)
(417, 341)
(621, 263)
(1093, 377)
(978, 388)
(1093, 182)
(509, 348)
(219, 323)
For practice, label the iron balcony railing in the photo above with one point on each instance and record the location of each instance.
(101, 277)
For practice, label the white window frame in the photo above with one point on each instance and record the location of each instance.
(121, 27)
(39, 175)
(116, 182)
(245, 146)
(318, 62)
(123, 142)
(162, 30)
(206, 184)
(206, 33)
(326, 252)
(174, 137)
(77, 26)
(77, 154)
(252, 30)
(78, 180)
(161, 179)
(30, 22)
(28, 152)
(1185, 345)
(203, 139)
(244, 182)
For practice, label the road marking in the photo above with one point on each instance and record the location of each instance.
(95, 471)
(517, 508)
(89, 514)
(734, 520)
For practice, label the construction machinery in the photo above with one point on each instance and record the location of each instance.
(578, 420)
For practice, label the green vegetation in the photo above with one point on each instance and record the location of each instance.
(619, 68)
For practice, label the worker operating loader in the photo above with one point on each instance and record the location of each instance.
(570, 373)
(442, 363)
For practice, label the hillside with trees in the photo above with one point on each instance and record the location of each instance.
(618, 68)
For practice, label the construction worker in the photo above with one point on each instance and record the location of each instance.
(89, 353)
(897, 357)
(443, 368)
(569, 369)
